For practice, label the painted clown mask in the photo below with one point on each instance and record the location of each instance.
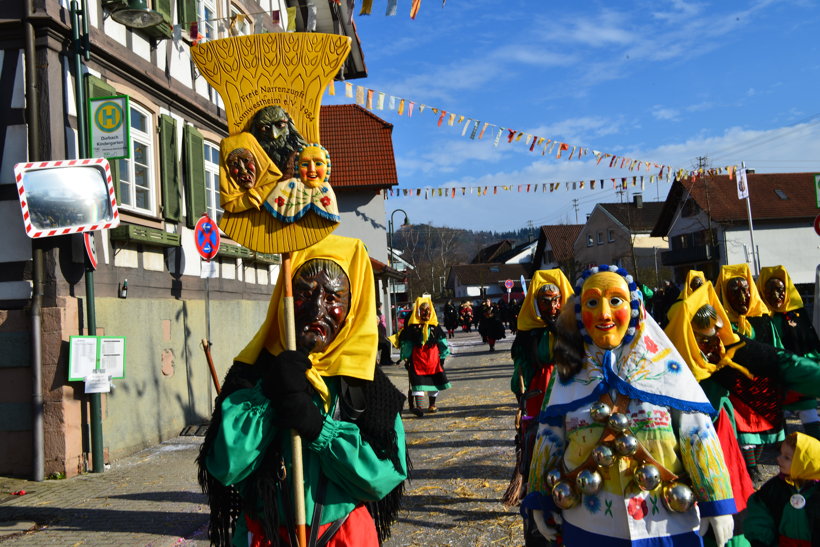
(605, 309)
(314, 165)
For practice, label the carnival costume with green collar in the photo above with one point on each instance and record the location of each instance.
(786, 510)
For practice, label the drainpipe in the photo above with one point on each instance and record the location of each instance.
(33, 123)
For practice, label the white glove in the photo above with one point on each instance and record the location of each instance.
(547, 531)
(723, 526)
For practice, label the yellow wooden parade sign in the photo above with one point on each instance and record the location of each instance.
(272, 87)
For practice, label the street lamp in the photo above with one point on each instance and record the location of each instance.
(390, 261)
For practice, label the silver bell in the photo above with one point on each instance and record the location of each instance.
(600, 412)
(603, 456)
(565, 495)
(589, 482)
(626, 444)
(552, 477)
(647, 476)
(678, 497)
(618, 422)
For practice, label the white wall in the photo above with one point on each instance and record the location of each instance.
(794, 246)
(363, 217)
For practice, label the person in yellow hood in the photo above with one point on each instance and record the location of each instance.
(786, 510)
(423, 346)
(792, 324)
(346, 410)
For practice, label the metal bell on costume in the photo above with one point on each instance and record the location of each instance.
(647, 476)
(552, 477)
(678, 497)
(626, 444)
(589, 482)
(618, 422)
(603, 456)
(600, 412)
(565, 495)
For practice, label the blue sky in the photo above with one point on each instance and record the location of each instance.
(663, 82)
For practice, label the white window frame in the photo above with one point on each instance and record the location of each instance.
(128, 188)
(208, 30)
(212, 207)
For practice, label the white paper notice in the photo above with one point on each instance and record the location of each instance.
(208, 270)
(99, 381)
(82, 357)
(112, 356)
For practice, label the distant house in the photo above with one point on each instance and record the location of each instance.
(620, 234)
(492, 253)
(472, 281)
(554, 248)
(707, 225)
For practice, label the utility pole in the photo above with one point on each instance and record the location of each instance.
(575, 206)
(620, 193)
(529, 231)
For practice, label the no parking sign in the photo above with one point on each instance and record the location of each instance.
(206, 237)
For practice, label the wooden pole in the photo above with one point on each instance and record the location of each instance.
(295, 439)
(206, 345)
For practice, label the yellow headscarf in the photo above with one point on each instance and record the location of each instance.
(756, 305)
(353, 351)
(680, 331)
(793, 299)
(528, 317)
(806, 460)
(415, 318)
(690, 275)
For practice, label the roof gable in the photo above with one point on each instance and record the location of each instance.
(360, 146)
(632, 217)
(773, 197)
(561, 238)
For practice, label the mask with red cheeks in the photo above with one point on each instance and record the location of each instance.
(242, 167)
(424, 312)
(321, 301)
(605, 309)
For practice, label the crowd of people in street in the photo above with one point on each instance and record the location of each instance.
(641, 413)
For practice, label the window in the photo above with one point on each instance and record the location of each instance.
(212, 182)
(137, 172)
(207, 15)
(590, 241)
(600, 238)
(611, 235)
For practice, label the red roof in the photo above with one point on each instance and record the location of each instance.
(360, 146)
(562, 238)
(773, 197)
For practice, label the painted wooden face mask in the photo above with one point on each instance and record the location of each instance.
(739, 295)
(314, 165)
(775, 293)
(605, 309)
(706, 326)
(321, 300)
(548, 301)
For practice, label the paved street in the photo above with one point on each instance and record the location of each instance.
(462, 458)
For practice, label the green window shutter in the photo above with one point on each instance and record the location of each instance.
(187, 13)
(169, 168)
(194, 174)
(95, 87)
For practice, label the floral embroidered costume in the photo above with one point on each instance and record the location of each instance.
(624, 389)
(354, 453)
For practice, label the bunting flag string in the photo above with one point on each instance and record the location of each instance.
(534, 143)
(623, 183)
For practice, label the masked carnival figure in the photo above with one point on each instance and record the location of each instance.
(625, 444)
(329, 390)
(792, 325)
(423, 346)
(532, 376)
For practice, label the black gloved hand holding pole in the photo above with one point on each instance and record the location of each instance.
(286, 385)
